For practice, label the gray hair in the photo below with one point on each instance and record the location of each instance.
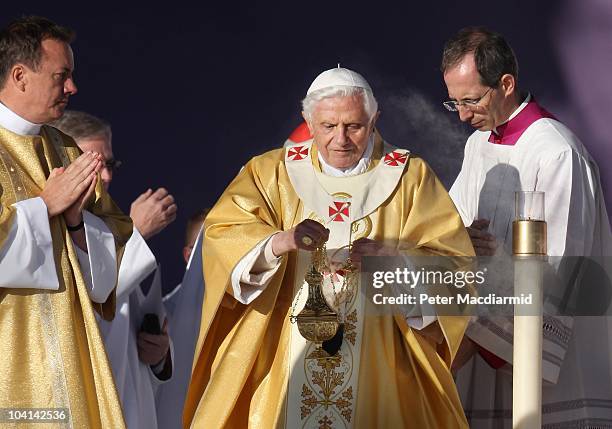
(369, 102)
(81, 125)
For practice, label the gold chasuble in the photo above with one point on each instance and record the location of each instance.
(252, 367)
(51, 352)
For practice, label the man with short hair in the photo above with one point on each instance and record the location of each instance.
(349, 188)
(61, 237)
(517, 146)
(140, 360)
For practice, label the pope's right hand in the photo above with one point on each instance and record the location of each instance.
(306, 235)
(64, 186)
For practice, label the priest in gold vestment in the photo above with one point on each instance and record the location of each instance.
(61, 237)
(344, 186)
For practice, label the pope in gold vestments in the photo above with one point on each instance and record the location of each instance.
(242, 366)
(51, 353)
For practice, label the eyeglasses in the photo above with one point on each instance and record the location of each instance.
(113, 164)
(453, 106)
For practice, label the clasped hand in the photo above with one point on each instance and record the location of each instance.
(67, 190)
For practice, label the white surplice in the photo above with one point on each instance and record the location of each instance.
(184, 312)
(136, 382)
(577, 371)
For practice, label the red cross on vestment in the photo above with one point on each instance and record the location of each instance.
(339, 212)
(296, 153)
(395, 158)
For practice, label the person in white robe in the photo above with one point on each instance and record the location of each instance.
(518, 145)
(140, 361)
(184, 310)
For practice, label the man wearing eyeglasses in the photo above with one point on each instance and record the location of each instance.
(518, 145)
(139, 354)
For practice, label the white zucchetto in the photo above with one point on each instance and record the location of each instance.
(338, 76)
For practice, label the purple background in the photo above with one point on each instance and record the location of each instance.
(193, 92)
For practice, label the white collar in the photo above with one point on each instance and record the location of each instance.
(516, 111)
(360, 167)
(16, 124)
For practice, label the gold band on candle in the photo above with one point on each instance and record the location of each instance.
(529, 237)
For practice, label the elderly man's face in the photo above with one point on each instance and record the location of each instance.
(49, 88)
(341, 128)
(463, 83)
(103, 146)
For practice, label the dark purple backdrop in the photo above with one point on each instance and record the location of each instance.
(193, 92)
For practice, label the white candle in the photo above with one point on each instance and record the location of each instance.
(527, 353)
(529, 248)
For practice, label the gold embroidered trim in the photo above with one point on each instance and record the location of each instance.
(58, 144)
(14, 175)
(328, 379)
(54, 355)
(350, 327)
